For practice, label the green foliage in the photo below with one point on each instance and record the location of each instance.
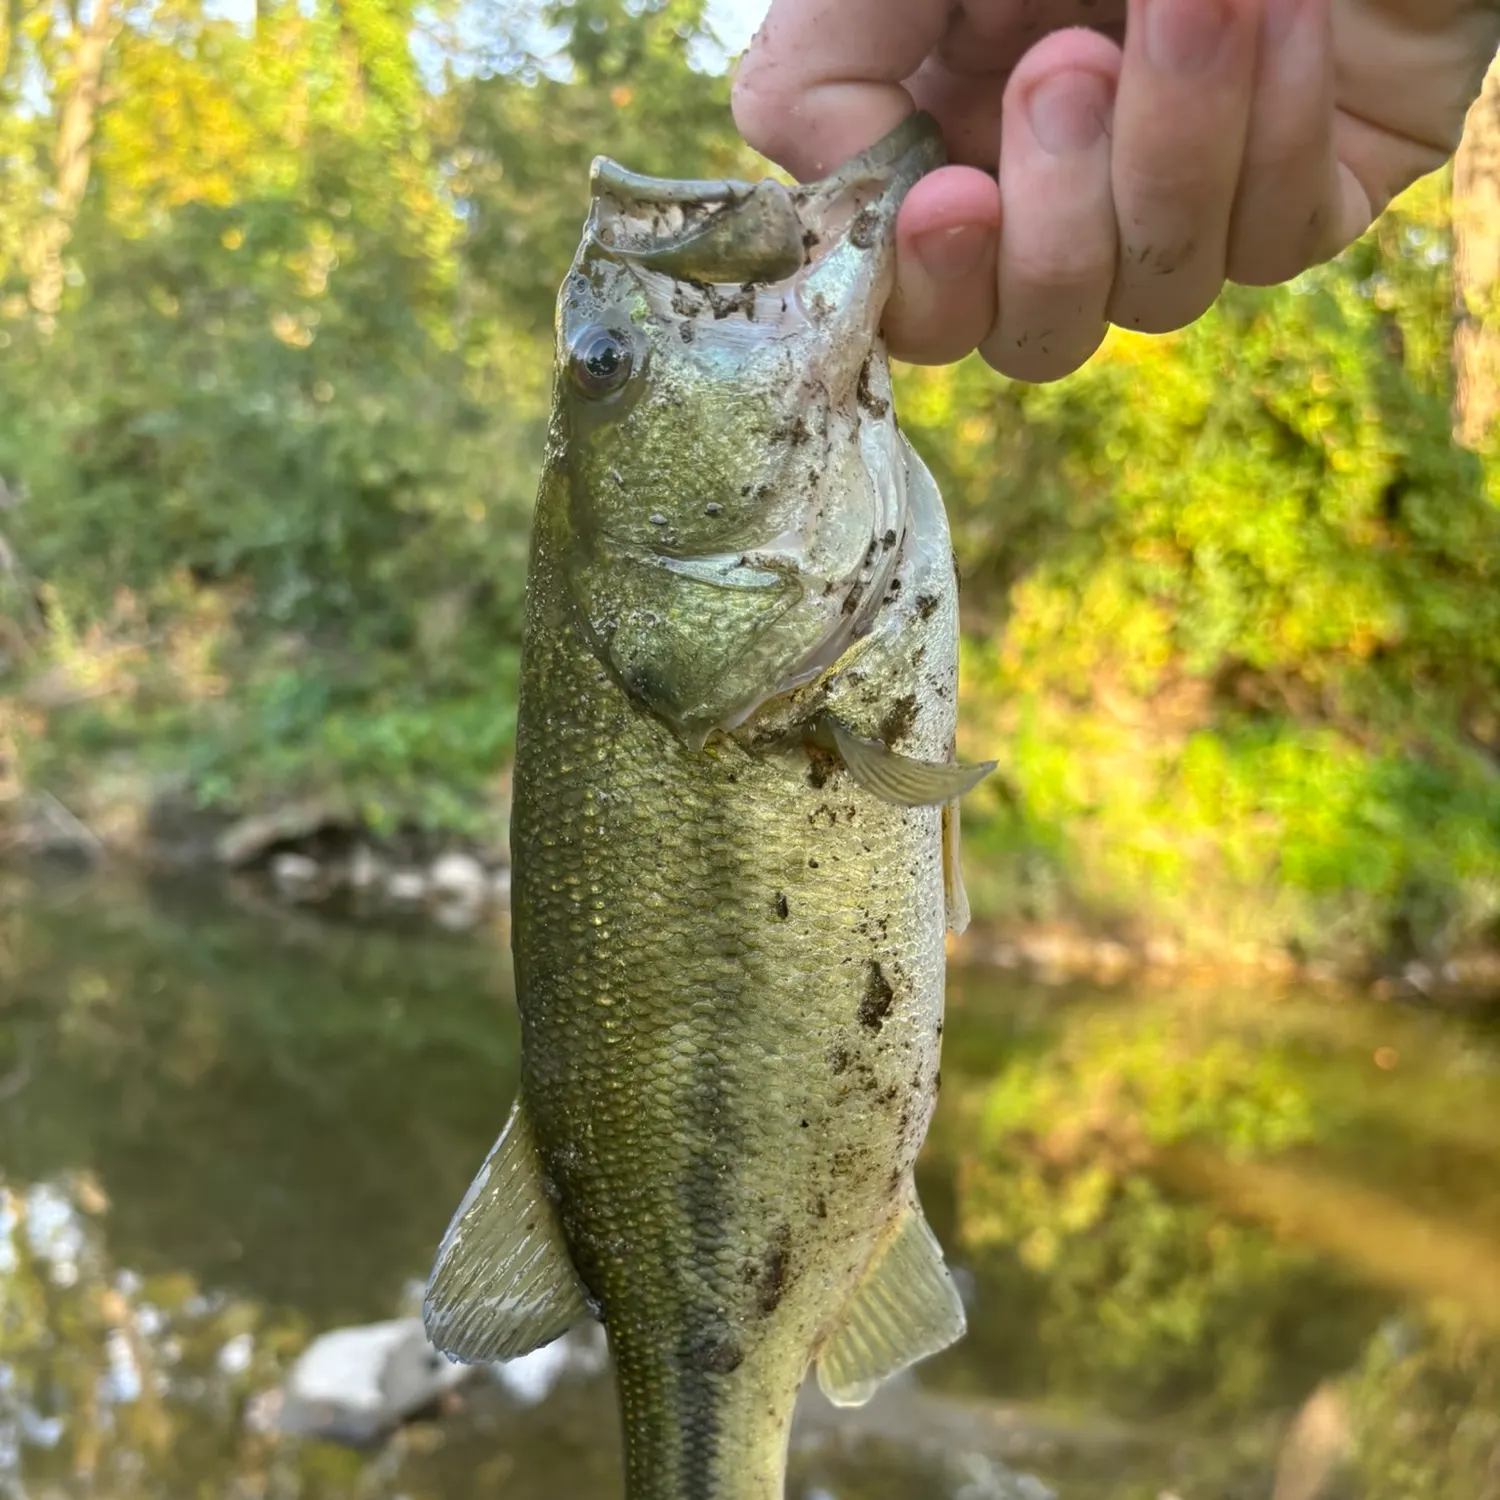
(318, 461)
(1231, 597)
(521, 152)
(297, 401)
(1242, 637)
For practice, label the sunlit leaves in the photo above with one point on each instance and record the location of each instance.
(1234, 628)
(1254, 544)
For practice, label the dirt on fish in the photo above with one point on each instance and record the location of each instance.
(878, 998)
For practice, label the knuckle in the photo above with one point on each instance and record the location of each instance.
(1172, 218)
(1167, 280)
(1162, 256)
(1066, 266)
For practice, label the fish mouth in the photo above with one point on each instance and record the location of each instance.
(723, 232)
(776, 291)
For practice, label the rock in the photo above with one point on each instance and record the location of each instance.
(364, 868)
(244, 842)
(975, 1477)
(1419, 976)
(458, 876)
(406, 886)
(460, 888)
(1317, 1445)
(1112, 960)
(298, 877)
(1163, 953)
(116, 804)
(458, 915)
(46, 827)
(1042, 950)
(1480, 971)
(530, 1379)
(355, 1385)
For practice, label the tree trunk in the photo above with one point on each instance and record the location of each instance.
(71, 155)
(1476, 270)
(10, 16)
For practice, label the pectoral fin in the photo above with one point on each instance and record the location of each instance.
(503, 1284)
(900, 780)
(953, 875)
(905, 1309)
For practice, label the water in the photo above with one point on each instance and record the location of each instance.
(1218, 1245)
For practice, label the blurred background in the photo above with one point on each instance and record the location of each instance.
(1217, 1157)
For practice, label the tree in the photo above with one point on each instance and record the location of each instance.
(81, 83)
(1476, 280)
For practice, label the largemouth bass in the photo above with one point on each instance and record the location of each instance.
(734, 833)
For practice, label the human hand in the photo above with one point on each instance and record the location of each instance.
(1139, 165)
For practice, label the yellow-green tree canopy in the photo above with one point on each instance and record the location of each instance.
(274, 373)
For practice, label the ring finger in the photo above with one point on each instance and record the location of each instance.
(1181, 119)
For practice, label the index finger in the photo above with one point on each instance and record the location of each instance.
(823, 78)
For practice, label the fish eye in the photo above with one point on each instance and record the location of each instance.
(601, 361)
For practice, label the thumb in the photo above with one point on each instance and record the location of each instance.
(822, 81)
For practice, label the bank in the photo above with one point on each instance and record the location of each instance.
(316, 854)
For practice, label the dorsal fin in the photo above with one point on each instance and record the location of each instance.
(503, 1283)
(905, 1309)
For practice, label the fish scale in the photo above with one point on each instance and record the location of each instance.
(734, 844)
(730, 1026)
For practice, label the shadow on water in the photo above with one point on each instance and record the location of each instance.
(1218, 1246)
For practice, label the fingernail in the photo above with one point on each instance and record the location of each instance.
(950, 254)
(1069, 112)
(1184, 36)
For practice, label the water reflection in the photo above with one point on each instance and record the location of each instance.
(1219, 1245)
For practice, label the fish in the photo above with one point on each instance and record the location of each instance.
(734, 833)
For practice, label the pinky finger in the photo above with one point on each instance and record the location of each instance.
(1297, 204)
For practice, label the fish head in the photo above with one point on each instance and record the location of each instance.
(735, 500)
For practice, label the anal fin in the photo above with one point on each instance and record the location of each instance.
(900, 780)
(953, 875)
(905, 1309)
(503, 1283)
